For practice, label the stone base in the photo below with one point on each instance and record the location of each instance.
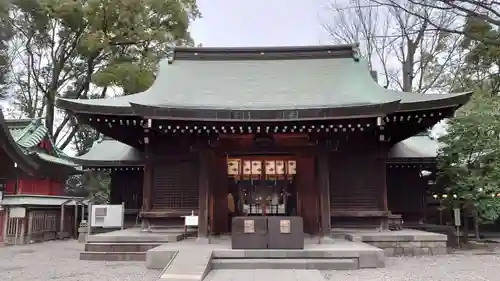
(339, 255)
(415, 248)
(82, 237)
(203, 240)
(405, 242)
(326, 240)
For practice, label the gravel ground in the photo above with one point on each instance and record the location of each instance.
(457, 267)
(59, 260)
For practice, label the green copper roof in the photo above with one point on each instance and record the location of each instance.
(325, 81)
(29, 133)
(417, 147)
(109, 152)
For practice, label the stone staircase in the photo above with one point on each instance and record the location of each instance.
(117, 251)
(190, 261)
(284, 259)
(128, 244)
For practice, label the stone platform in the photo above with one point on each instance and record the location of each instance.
(406, 242)
(128, 244)
(191, 260)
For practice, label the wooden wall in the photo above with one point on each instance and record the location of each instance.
(357, 186)
(126, 186)
(406, 192)
(29, 185)
(175, 184)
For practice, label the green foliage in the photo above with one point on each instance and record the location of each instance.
(80, 48)
(469, 160)
(98, 184)
(92, 185)
(5, 36)
(483, 59)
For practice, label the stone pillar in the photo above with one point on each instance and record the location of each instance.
(83, 231)
(323, 172)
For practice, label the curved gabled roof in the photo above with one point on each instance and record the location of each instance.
(20, 139)
(419, 148)
(264, 83)
(12, 149)
(109, 152)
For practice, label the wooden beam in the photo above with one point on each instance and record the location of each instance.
(323, 159)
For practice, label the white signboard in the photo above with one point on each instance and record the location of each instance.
(456, 214)
(191, 220)
(17, 212)
(107, 216)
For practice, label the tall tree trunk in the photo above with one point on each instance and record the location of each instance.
(49, 117)
(465, 228)
(476, 226)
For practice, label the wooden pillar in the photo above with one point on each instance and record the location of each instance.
(307, 193)
(23, 231)
(218, 194)
(6, 216)
(75, 232)
(385, 204)
(30, 227)
(61, 222)
(323, 173)
(147, 187)
(203, 185)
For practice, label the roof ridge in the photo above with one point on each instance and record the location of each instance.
(266, 52)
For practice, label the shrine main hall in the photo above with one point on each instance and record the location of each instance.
(288, 131)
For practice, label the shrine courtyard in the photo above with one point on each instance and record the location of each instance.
(59, 261)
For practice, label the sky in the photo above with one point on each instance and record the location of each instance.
(235, 23)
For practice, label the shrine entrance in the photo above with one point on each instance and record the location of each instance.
(257, 186)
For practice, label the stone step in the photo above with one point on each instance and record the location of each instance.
(317, 264)
(119, 247)
(188, 264)
(113, 256)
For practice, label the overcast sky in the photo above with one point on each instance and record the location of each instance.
(259, 23)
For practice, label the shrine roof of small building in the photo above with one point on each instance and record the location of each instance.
(417, 148)
(108, 152)
(20, 140)
(264, 84)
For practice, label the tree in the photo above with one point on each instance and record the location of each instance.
(89, 48)
(487, 11)
(424, 55)
(5, 36)
(469, 161)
